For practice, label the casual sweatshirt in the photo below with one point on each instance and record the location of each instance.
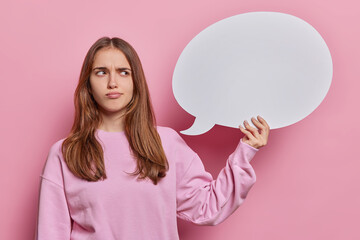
(122, 207)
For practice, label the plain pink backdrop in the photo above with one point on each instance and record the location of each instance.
(307, 176)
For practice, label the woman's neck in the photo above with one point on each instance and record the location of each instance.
(112, 122)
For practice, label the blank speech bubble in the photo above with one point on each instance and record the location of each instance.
(259, 63)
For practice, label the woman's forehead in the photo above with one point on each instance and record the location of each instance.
(107, 57)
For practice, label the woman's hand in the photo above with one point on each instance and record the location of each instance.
(253, 137)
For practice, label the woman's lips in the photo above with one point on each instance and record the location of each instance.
(113, 95)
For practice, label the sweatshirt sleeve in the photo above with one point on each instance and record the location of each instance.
(53, 221)
(207, 201)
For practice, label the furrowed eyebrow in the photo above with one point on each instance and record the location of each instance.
(104, 68)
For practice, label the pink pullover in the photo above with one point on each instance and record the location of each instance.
(123, 208)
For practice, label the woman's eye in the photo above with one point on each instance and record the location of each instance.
(124, 73)
(100, 73)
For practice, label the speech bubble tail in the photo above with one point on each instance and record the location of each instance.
(199, 127)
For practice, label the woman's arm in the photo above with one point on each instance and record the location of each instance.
(207, 201)
(53, 220)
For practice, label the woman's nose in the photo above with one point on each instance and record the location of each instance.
(112, 80)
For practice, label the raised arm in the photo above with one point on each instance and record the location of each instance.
(207, 201)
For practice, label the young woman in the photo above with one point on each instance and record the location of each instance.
(119, 176)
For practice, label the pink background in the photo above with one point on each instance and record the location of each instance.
(308, 174)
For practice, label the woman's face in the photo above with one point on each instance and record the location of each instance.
(111, 73)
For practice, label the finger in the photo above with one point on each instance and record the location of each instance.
(253, 130)
(266, 131)
(257, 123)
(247, 133)
(263, 122)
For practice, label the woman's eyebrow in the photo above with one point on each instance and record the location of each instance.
(104, 68)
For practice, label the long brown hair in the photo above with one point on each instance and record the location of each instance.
(82, 152)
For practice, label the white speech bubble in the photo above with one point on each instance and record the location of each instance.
(260, 63)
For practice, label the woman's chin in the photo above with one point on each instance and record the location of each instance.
(108, 111)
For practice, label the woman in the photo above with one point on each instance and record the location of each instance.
(119, 176)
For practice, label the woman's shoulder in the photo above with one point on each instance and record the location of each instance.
(52, 166)
(171, 138)
(165, 130)
(168, 134)
(55, 148)
(176, 147)
(55, 155)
